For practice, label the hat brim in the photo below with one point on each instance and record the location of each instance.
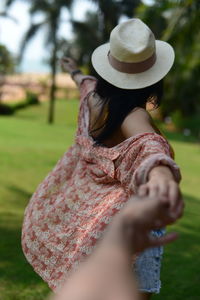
(164, 61)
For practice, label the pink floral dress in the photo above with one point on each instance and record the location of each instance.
(72, 207)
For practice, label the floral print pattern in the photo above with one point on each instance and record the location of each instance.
(72, 207)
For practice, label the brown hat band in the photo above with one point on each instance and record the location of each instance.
(132, 68)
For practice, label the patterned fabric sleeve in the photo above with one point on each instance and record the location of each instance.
(143, 154)
(87, 85)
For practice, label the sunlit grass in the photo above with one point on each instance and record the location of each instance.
(29, 149)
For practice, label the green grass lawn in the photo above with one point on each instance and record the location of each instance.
(29, 148)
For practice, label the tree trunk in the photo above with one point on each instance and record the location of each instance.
(53, 80)
(2, 81)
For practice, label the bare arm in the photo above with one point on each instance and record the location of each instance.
(70, 66)
(138, 121)
(161, 181)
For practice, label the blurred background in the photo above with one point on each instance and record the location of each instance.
(38, 113)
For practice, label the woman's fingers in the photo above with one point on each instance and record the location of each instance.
(180, 208)
(149, 241)
(166, 239)
(176, 201)
(67, 59)
(143, 190)
(153, 191)
(173, 192)
(163, 189)
(167, 191)
(148, 190)
(178, 211)
(68, 64)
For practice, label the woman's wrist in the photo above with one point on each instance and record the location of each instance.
(161, 171)
(75, 72)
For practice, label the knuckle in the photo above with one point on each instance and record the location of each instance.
(143, 187)
(173, 183)
(154, 187)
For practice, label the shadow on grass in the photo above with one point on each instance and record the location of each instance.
(19, 197)
(20, 192)
(180, 137)
(18, 281)
(180, 268)
(181, 263)
(13, 265)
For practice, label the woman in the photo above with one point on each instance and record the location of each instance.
(117, 152)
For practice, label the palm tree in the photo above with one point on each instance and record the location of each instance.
(86, 39)
(7, 62)
(51, 11)
(96, 27)
(4, 14)
(177, 21)
(111, 11)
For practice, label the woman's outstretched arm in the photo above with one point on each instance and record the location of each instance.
(69, 65)
(161, 181)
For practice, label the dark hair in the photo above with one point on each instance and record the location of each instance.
(120, 102)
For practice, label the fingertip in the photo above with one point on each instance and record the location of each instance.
(166, 239)
(164, 200)
(142, 191)
(178, 213)
(66, 59)
(158, 224)
(171, 236)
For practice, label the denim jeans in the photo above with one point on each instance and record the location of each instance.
(147, 267)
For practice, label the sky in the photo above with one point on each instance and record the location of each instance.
(11, 33)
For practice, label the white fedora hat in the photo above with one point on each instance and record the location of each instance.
(133, 59)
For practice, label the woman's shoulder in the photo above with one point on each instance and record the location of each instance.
(138, 121)
(87, 85)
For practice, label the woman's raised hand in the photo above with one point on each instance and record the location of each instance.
(68, 64)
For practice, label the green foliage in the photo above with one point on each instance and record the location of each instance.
(95, 29)
(189, 125)
(7, 61)
(85, 41)
(177, 119)
(51, 11)
(6, 109)
(32, 98)
(9, 109)
(109, 13)
(177, 22)
(153, 16)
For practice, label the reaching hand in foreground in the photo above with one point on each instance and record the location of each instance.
(107, 274)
